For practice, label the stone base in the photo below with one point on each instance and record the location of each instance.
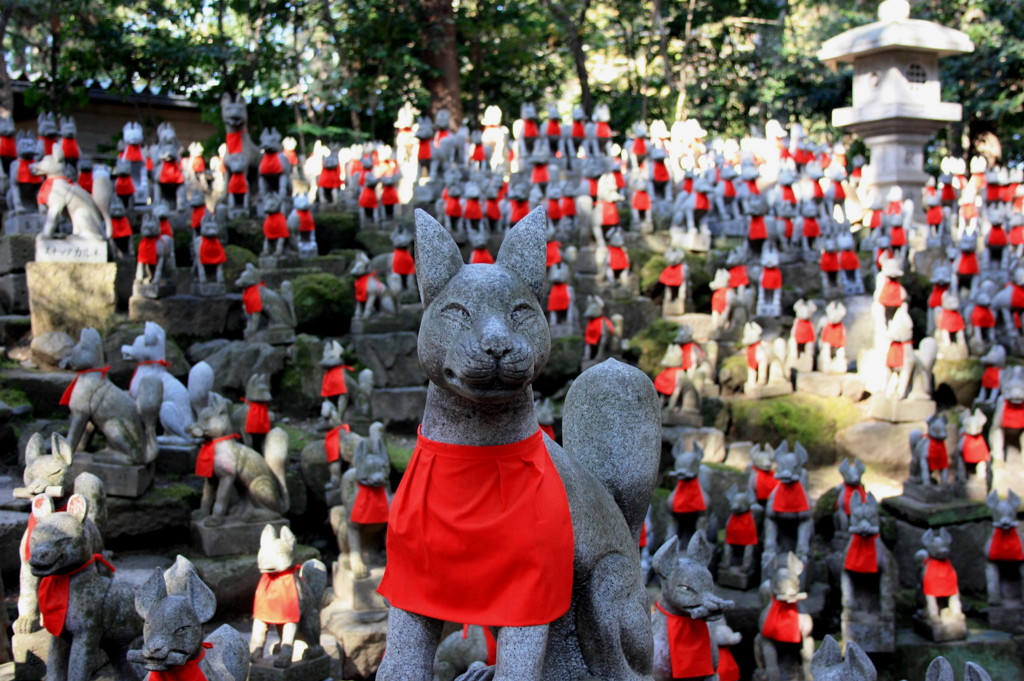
(854, 288)
(176, 458)
(735, 578)
(71, 250)
(30, 654)
(315, 669)
(948, 628)
(674, 417)
(235, 536)
(759, 392)
(953, 352)
(934, 493)
(901, 411)
(163, 289)
(768, 310)
(398, 405)
(1006, 619)
(191, 315)
(695, 241)
(359, 595)
(282, 335)
(208, 289)
(308, 249)
(71, 296)
(817, 383)
(24, 223)
(16, 250)
(14, 292)
(118, 480)
(238, 213)
(362, 640)
(872, 633)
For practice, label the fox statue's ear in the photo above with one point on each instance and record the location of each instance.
(523, 251)
(437, 257)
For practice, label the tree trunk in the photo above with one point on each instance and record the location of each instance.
(441, 57)
(6, 91)
(574, 39)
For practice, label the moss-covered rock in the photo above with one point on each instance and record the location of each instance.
(808, 419)
(732, 374)
(247, 233)
(961, 377)
(323, 304)
(563, 365)
(299, 391)
(13, 397)
(700, 280)
(374, 241)
(336, 231)
(650, 343)
(650, 272)
(238, 258)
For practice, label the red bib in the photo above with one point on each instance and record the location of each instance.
(370, 506)
(848, 492)
(529, 128)
(251, 299)
(362, 286)
(974, 449)
(277, 598)
(568, 206)
(1013, 414)
(306, 223)
(894, 358)
(752, 349)
(848, 261)
(701, 201)
(672, 275)
(553, 253)
(368, 198)
(1017, 297)
(388, 195)
(968, 263)
(764, 484)
(790, 498)
(834, 335)
(592, 335)
(727, 670)
(617, 259)
(8, 147)
(53, 595)
(520, 209)
(65, 399)
(123, 185)
(494, 545)
(473, 211)
(811, 228)
(665, 383)
(757, 229)
(257, 418)
(237, 184)
(934, 215)
(558, 298)
(198, 213)
(782, 623)
(1006, 545)
(424, 151)
(43, 196)
(738, 276)
(132, 152)
(689, 645)
(898, 237)
(330, 178)
(689, 498)
(120, 228)
(189, 671)
(939, 578)
(148, 362)
(996, 237)
(539, 174)
(493, 211)
(892, 293)
(990, 377)
(609, 213)
(548, 430)
(951, 321)
(803, 331)
(788, 195)
(938, 458)
(641, 200)
(402, 262)
(211, 251)
(935, 297)
(862, 554)
(234, 142)
(147, 253)
(198, 165)
(829, 261)
(720, 300)
(270, 164)
(170, 173)
(332, 442)
(275, 226)
(741, 530)
(333, 382)
(204, 462)
(85, 180)
(771, 278)
(481, 256)
(982, 317)
(660, 172)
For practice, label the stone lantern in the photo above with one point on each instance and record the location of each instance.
(896, 95)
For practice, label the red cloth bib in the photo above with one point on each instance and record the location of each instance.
(752, 349)
(402, 262)
(553, 253)
(934, 215)
(275, 226)
(481, 256)
(147, 362)
(330, 178)
(539, 174)
(848, 261)
(132, 152)
(198, 165)
(147, 253)
(389, 195)
(257, 418)
(1006, 545)
(939, 578)
(592, 335)
(738, 276)
(494, 545)
(811, 228)
(728, 670)
(968, 263)
(520, 209)
(689, 645)
(829, 261)
(211, 251)
(277, 598)
(672, 275)
(665, 383)
(897, 236)
(787, 193)
(990, 377)
(198, 213)
(660, 172)
(306, 223)
(237, 184)
(85, 180)
(834, 335)
(362, 286)
(270, 164)
(332, 442)
(204, 462)
(935, 297)
(609, 213)
(838, 193)
(803, 331)
(894, 358)
(473, 211)
(951, 321)
(641, 200)
(719, 300)
(938, 458)
(234, 142)
(701, 202)
(333, 382)
(123, 185)
(974, 449)
(728, 189)
(370, 505)
(1017, 297)
(740, 530)
(782, 623)
(862, 554)
(617, 259)
(368, 198)
(558, 298)
(568, 206)
(53, 595)
(790, 498)
(996, 237)
(529, 128)
(1013, 414)
(165, 228)
(689, 498)
(8, 147)
(604, 131)
(190, 671)
(65, 399)
(548, 430)
(764, 484)
(892, 293)
(170, 173)
(251, 299)
(771, 278)
(982, 317)
(43, 196)
(120, 227)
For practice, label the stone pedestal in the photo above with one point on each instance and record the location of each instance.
(30, 655)
(234, 537)
(153, 291)
(933, 493)
(829, 385)
(736, 578)
(359, 595)
(314, 669)
(208, 289)
(1006, 619)
(71, 250)
(176, 458)
(14, 292)
(772, 389)
(949, 627)
(16, 251)
(901, 411)
(71, 296)
(118, 480)
(872, 632)
(275, 335)
(24, 223)
(768, 309)
(362, 639)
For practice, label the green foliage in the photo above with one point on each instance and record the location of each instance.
(336, 231)
(238, 258)
(323, 304)
(650, 343)
(810, 420)
(399, 456)
(563, 365)
(14, 397)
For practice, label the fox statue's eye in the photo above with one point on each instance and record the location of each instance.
(456, 312)
(522, 314)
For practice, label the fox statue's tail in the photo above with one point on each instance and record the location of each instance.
(200, 385)
(612, 425)
(147, 403)
(275, 450)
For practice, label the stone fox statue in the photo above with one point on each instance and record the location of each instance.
(564, 590)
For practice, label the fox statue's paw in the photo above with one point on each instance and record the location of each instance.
(26, 624)
(214, 521)
(480, 673)
(284, 657)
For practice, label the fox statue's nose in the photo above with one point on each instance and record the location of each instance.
(496, 340)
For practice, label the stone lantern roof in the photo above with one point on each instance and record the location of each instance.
(894, 30)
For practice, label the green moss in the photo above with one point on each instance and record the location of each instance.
(238, 258)
(732, 373)
(323, 304)
(963, 377)
(650, 272)
(563, 365)
(399, 457)
(650, 343)
(299, 389)
(336, 231)
(298, 438)
(14, 397)
(176, 492)
(374, 241)
(247, 233)
(808, 419)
